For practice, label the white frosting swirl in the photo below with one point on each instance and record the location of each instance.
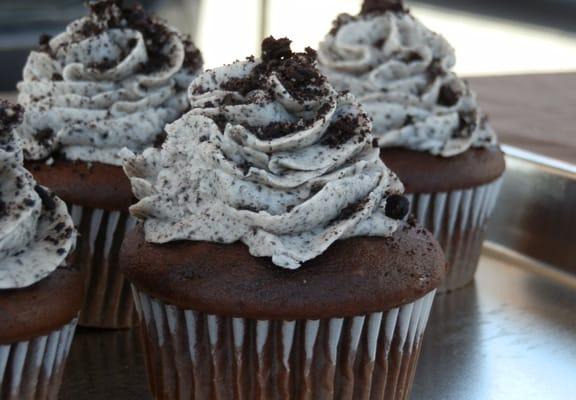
(104, 84)
(401, 73)
(288, 172)
(36, 231)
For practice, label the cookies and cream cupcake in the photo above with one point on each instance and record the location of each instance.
(273, 260)
(112, 80)
(426, 120)
(37, 234)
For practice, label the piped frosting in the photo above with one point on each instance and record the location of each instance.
(112, 80)
(401, 73)
(36, 231)
(270, 155)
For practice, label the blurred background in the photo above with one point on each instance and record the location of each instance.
(491, 37)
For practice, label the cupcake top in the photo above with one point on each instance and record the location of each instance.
(36, 231)
(270, 155)
(402, 74)
(112, 80)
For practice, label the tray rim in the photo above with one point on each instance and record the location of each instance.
(516, 259)
(549, 164)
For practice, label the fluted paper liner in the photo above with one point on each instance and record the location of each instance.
(458, 220)
(192, 355)
(108, 302)
(32, 370)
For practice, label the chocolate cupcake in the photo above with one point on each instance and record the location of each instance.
(37, 322)
(273, 260)
(426, 121)
(112, 80)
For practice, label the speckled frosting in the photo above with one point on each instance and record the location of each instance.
(401, 73)
(270, 155)
(36, 231)
(112, 80)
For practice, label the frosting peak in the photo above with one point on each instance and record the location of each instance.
(401, 72)
(36, 231)
(271, 155)
(112, 80)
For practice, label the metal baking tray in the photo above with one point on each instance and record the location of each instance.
(536, 213)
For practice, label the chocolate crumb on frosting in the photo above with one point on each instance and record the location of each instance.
(343, 130)
(435, 69)
(350, 210)
(397, 206)
(10, 115)
(468, 122)
(449, 95)
(296, 71)
(3, 208)
(44, 43)
(193, 57)
(276, 49)
(275, 130)
(370, 8)
(382, 6)
(48, 198)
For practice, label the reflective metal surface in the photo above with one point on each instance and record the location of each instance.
(510, 336)
(535, 214)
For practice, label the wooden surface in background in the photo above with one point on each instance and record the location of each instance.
(532, 112)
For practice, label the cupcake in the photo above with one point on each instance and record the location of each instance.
(112, 80)
(37, 322)
(426, 121)
(273, 260)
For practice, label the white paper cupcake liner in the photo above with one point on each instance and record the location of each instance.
(192, 355)
(108, 302)
(458, 221)
(33, 370)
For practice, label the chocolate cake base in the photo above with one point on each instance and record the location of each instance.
(98, 197)
(424, 173)
(354, 276)
(453, 198)
(458, 220)
(219, 323)
(41, 308)
(91, 185)
(37, 326)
